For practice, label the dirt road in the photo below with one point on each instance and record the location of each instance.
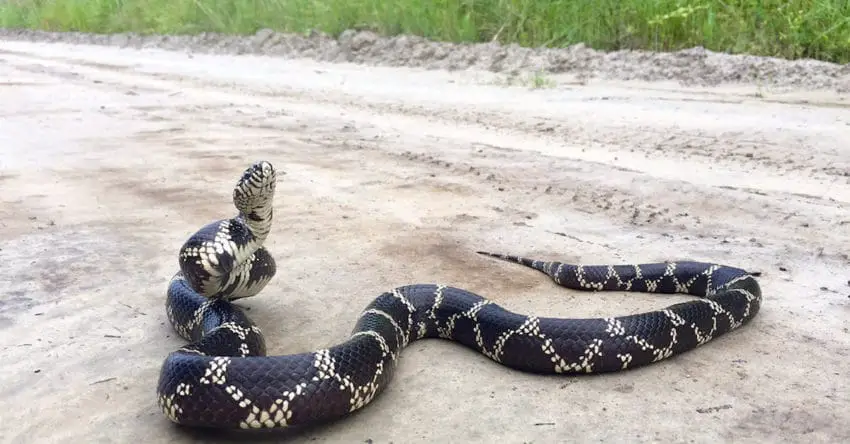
(111, 157)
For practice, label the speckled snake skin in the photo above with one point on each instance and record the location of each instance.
(223, 378)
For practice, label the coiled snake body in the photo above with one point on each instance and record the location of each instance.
(223, 378)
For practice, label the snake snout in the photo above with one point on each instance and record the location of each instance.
(257, 179)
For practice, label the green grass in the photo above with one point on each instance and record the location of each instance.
(534, 80)
(791, 29)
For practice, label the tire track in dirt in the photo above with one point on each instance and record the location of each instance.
(616, 135)
(682, 207)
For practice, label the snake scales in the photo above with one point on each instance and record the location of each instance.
(224, 379)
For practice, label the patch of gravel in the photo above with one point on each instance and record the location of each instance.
(696, 66)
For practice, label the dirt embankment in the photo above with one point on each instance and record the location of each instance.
(696, 66)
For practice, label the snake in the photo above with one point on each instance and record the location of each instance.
(223, 378)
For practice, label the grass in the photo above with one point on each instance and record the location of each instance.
(818, 29)
(533, 80)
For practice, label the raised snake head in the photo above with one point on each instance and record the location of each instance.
(254, 192)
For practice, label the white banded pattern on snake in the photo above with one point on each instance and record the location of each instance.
(224, 379)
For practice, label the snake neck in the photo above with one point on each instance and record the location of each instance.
(258, 220)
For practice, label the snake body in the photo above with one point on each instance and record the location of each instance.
(224, 379)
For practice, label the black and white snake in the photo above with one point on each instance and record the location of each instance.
(223, 378)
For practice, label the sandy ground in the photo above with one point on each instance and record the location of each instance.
(112, 156)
